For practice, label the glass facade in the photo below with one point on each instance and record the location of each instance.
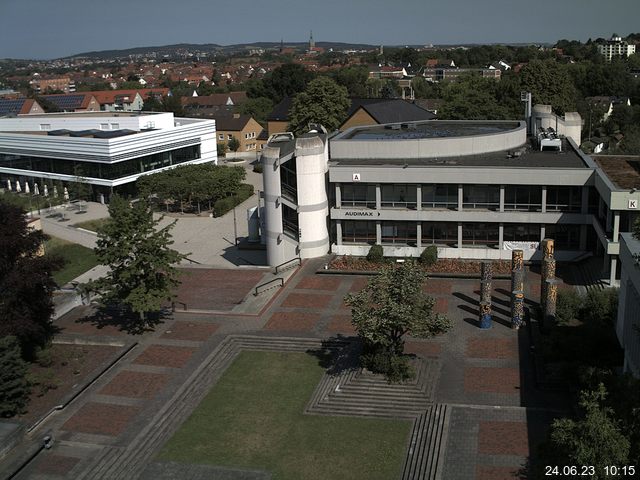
(486, 197)
(289, 180)
(441, 233)
(480, 234)
(399, 233)
(527, 232)
(106, 171)
(358, 232)
(567, 237)
(525, 198)
(564, 199)
(440, 196)
(289, 221)
(399, 195)
(358, 195)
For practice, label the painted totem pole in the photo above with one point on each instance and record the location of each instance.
(486, 275)
(548, 281)
(517, 288)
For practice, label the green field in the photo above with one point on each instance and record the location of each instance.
(92, 225)
(78, 259)
(253, 419)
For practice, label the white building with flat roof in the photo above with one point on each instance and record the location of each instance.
(109, 150)
(616, 47)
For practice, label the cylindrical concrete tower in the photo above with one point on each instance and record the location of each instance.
(313, 207)
(272, 205)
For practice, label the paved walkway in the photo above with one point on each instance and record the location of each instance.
(492, 413)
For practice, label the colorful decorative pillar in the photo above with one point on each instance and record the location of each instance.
(548, 248)
(550, 303)
(517, 310)
(485, 315)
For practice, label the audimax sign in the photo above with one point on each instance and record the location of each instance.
(361, 213)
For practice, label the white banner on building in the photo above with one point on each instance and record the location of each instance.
(520, 245)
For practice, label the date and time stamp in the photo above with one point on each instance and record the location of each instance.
(589, 471)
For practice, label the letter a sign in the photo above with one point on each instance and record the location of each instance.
(356, 177)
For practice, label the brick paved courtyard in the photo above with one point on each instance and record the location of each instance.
(485, 375)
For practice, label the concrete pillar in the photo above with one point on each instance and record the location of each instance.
(459, 235)
(616, 226)
(543, 232)
(460, 196)
(419, 197)
(378, 197)
(339, 232)
(338, 195)
(419, 235)
(378, 233)
(501, 201)
(544, 199)
(613, 269)
(500, 236)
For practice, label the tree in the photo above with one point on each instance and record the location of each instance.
(323, 102)
(142, 273)
(550, 84)
(233, 144)
(354, 79)
(392, 305)
(285, 81)
(14, 387)
(594, 439)
(26, 284)
(473, 98)
(80, 189)
(259, 108)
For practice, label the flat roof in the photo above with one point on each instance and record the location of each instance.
(622, 170)
(429, 129)
(88, 114)
(525, 157)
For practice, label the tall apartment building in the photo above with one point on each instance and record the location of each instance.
(616, 47)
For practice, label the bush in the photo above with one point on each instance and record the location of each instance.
(429, 256)
(222, 149)
(257, 167)
(601, 306)
(14, 388)
(568, 306)
(376, 254)
(224, 205)
(395, 368)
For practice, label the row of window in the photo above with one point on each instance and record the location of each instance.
(567, 237)
(487, 197)
(107, 171)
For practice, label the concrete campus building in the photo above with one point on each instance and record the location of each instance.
(475, 189)
(112, 150)
(615, 47)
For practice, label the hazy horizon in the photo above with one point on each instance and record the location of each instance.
(30, 29)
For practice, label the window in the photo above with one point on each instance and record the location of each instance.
(567, 237)
(440, 196)
(289, 180)
(480, 234)
(221, 136)
(564, 199)
(485, 197)
(45, 126)
(525, 198)
(229, 136)
(115, 126)
(443, 233)
(399, 195)
(399, 233)
(521, 233)
(358, 195)
(359, 232)
(290, 221)
(104, 126)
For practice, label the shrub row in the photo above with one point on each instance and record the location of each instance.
(224, 205)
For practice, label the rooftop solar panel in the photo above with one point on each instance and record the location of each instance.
(11, 107)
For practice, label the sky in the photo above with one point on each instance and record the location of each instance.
(45, 29)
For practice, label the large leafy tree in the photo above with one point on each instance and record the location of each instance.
(26, 285)
(14, 387)
(594, 439)
(323, 102)
(474, 98)
(142, 273)
(550, 84)
(284, 81)
(392, 305)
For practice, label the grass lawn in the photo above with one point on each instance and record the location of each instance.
(78, 259)
(253, 419)
(92, 224)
